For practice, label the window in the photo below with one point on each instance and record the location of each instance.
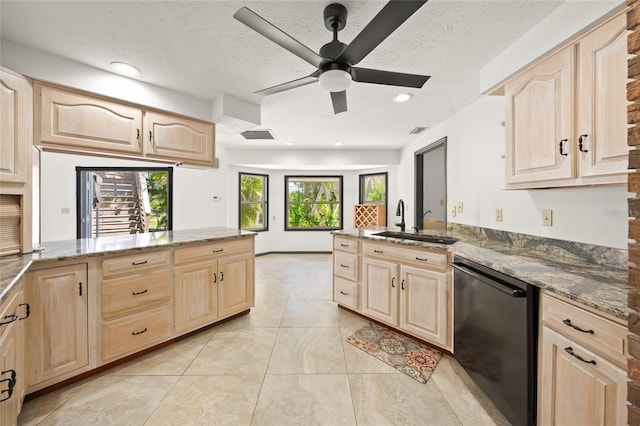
(123, 200)
(254, 207)
(313, 202)
(373, 188)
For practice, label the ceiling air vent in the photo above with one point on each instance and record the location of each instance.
(258, 134)
(417, 130)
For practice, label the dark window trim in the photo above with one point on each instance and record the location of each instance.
(266, 201)
(169, 171)
(286, 201)
(419, 177)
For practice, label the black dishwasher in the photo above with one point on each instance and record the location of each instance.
(495, 336)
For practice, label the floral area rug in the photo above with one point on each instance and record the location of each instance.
(401, 352)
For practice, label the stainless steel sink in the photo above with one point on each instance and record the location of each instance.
(417, 237)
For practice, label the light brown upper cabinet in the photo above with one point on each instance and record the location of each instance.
(70, 119)
(566, 115)
(74, 121)
(16, 131)
(182, 139)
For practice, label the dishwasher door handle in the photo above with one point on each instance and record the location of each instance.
(495, 283)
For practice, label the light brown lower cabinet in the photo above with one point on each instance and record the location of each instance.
(579, 382)
(13, 312)
(57, 331)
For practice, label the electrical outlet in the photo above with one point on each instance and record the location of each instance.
(65, 210)
(460, 205)
(498, 215)
(453, 211)
(547, 217)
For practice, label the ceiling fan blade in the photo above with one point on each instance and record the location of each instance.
(290, 84)
(276, 35)
(381, 26)
(366, 75)
(339, 101)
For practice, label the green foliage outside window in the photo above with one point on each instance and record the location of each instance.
(157, 187)
(253, 201)
(314, 202)
(374, 188)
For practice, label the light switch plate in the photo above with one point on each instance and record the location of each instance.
(547, 217)
(453, 211)
(498, 215)
(460, 206)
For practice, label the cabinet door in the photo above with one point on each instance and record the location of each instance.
(380, 287)
(234, 290)
(195, 295)
(539, 120)
(602, 101)
(16, 126)
(66, 118)
(424, 304)
(57, 329)
(11, 365)
(574, 391)
(179, 139)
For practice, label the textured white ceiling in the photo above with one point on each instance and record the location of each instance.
(196, 47)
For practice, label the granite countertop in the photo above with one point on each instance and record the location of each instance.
(12, 268)
(591, 275)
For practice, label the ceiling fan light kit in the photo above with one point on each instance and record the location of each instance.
(335, 63)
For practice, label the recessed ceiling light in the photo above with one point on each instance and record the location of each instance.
(289, 143)
(338, 144)
(125, 69)
(402, 97)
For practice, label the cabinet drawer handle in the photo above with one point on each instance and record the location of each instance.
(581, 140)
(570, 351)
(378, 251)
(9, 318)
(582, 330)
(422, 259)
(343, 293)
(562, 142)
(139, 263)
(220, 250)
(344, 266)
(393, 282)
(135, 293)
(11, 382)
(135, 333)
(27, 311)
(344, 245)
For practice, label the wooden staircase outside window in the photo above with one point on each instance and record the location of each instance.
(118, 208)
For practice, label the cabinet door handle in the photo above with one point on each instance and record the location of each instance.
(393, 282)
(220, 250)
(422, 259)
(378, 251)
(221, 276)
(135, 333)
(215, 278)
(137, 134)
(80, 289)
(135, 293)
(142, 262)
(562, 142)
(11, 383)
(342, 292)
(150, 134)
(344, 266)
(581, 140)
(9, 319)
(27, 311)
(402, 285)
(575, 327)
(570, 351)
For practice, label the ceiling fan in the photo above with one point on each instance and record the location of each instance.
(336, 62)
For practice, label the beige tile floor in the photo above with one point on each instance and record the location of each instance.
(285, 363)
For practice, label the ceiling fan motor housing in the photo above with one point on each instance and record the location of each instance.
(335, 14)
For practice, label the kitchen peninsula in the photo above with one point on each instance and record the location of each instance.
(90, 302)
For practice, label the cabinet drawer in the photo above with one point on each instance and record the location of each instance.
(135, 263)
(600, 334)
(135, 332)
(132, 292)
(425, 258)
(345, 265)
(345, 292)
(345, 244)
(206, 251)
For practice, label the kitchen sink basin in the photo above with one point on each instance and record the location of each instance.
(417, 237)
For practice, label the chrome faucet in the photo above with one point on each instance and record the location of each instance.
(400, 212)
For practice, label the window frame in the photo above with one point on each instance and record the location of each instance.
(265, 202)
(361, 188)
(287, 178)
(81, 169)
